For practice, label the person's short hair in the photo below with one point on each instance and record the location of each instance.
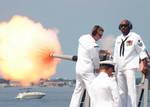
(96, 28)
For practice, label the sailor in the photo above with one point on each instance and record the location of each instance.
(87, 63)
(129, 50)
(104, 90)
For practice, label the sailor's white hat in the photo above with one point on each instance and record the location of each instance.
(107, 62)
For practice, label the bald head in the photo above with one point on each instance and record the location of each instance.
(125, 26)
(126, 23)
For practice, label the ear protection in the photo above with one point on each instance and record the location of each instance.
(129, 25)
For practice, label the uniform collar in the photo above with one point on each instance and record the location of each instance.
(123, 37)
(92, 39)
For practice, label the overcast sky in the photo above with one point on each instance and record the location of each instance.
(76, 17)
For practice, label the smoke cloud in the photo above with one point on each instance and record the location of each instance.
(107, 43)
(24, 50)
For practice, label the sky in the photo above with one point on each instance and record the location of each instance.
(73, 18)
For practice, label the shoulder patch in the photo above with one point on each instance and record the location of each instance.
(140, 43)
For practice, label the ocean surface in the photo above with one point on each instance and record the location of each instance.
(55, 97)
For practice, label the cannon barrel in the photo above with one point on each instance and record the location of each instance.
(65, 57)
(103, 54)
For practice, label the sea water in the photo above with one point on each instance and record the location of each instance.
(55, 97)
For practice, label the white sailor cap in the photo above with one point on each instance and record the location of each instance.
(107, 62)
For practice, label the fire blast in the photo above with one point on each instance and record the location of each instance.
(24, 50)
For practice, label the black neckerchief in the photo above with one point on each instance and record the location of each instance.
(122, 47)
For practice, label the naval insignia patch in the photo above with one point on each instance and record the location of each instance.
(129, 42)
(140, 43)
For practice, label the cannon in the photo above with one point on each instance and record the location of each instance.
(65, 57)
(103, 54)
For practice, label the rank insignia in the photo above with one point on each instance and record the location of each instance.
(129, 42)
(140, 43)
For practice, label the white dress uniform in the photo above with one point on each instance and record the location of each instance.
(88, 60)
(128, 50)
(104, 91)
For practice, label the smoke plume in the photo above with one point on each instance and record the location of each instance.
(107, 43)
(24, 50)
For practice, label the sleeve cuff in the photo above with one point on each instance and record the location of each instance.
(143, 55)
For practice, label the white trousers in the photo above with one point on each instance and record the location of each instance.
(127, 87)
(83, 82)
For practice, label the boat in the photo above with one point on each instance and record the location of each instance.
(30, 95)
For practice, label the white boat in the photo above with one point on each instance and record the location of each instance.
(30, 95)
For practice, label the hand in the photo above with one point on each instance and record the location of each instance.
(144, 67)
(145, 71)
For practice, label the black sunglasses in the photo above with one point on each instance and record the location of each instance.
(124, 25)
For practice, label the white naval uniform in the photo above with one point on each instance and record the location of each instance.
(127, 62)
(88, 60)
(104, 91)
